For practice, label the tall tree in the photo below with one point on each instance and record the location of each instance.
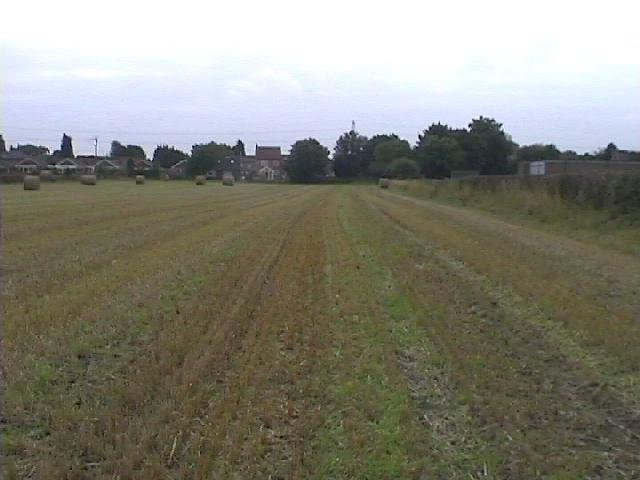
(165, 156)
(238, 148)
(66, 147)
(569, 155)
(607, 153)
(368, 154)
(133, 151)
(386, 152)
(206, 157)
(537, 152)
(488, 146)
(403, 167)
(439, 155)
(460, 135)
(3, 146)
(33, 150)
(437, 130)
(308, 161)
(348, 156)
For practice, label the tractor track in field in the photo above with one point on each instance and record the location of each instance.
(608, 279)
(203, 387)
(124, 209)
(169, 338)
(266, 405)
(581, 419)
(129, 260)
(97, 255)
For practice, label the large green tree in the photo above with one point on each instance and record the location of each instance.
(206, 157)
(488, 146)
(238, 148)
(66, 147)
(403, 167)
(165, 156)
(368, 154)
(33, 150)
(386, 152)
(120, 150)
(439, 155)
(348, 156)
(607, 152)
(442, 130)
(308, 161)
(537, 152)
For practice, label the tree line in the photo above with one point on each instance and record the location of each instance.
(483, 146)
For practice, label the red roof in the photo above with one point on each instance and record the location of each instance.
(268, 153)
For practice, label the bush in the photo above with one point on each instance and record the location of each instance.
(403, 168)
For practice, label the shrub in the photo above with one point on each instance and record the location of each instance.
(403, 168)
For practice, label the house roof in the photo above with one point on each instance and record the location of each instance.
(15, 155)
(10, 161)
(122, 161)
(179, 164)
(66, 161)
(268, 153)
(87, 160)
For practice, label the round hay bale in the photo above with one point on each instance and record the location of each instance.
(88, 179)
(31, 182)
(166, 177)
(227, 179)
(46, 175)
(139, 179)
(384, 183)
(201, 180)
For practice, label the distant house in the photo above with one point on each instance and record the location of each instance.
(31, 165)
(70, 166)
(67, 165)
(178, 169)
(231, 164)
(18, 162)
(138, 164)
(106, 165)
(270, 162)
(247, 165)
(100, 165)
(268, 173)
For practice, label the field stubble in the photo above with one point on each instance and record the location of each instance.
(309, 332)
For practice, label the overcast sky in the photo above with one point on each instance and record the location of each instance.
(271, 72)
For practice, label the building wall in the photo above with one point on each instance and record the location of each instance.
(578, 167)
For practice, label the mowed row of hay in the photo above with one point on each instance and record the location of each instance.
(227, 179)
(31, 182)
(88, 179)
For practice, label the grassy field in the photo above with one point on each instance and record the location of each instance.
(168, 331)
(595, 209)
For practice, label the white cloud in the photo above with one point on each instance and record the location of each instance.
(264, 80)
(280, 61)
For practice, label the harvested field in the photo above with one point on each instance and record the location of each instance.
(284, 331)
